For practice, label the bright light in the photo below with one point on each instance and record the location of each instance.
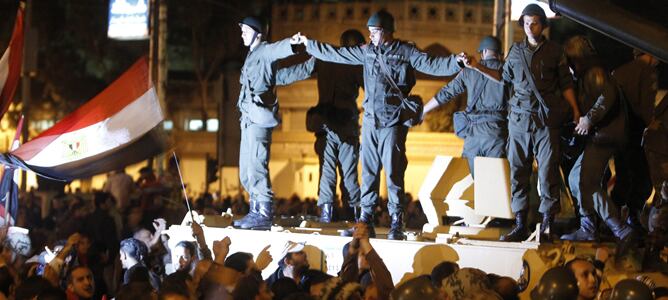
(168, 125)
(128, 19)
(195, 125)
(517, 6)
(212, 125)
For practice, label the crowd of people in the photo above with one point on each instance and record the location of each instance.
(113, 243)
(86, 256)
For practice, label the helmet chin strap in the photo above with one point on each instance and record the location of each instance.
(255, 34)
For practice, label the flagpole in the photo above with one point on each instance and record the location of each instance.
(183, 186)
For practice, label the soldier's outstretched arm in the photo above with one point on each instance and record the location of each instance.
(280, 49)
(493, 74)
(294, 73)
(447, 93)
(435, 65)
(343, 55)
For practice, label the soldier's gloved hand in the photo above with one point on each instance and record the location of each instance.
(471, 62)
(298, 39)
(583, 127)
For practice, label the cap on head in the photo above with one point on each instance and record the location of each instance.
(256, 23)
(381, 19)
(533, 10)
(491, 43)
(352, 37)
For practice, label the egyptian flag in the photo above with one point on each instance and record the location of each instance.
(10, 63)
(9, 186)
(118, 127)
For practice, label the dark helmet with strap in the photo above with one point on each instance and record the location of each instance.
(631, 289)
(256, 23)
(534, 10)
(419, 288)
(579, 46)
(352, 37)
(381, 19)
(491, 43)
(556, 283)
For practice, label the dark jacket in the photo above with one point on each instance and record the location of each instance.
(638, 81)
(598, 101)
(258, 79)
(550, 73)
(338, 88)
(382, 104)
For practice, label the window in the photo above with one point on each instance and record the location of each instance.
(349, 12)
(212, 125)
(415, 12)
(366, 12)
(299, 13)
(432, 13)
(168, 125)
(315, 14)
(194, 125)
(283, 14)
(469, 16)
(451, 15)
(487, 16)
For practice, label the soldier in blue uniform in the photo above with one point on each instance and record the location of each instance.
(387, 63)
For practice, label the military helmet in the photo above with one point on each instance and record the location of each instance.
(491, 43)
(256, 23)
(556, 283)
(631, 289)
(533, 10)
(579, 46)
(381, 19)
(417, 288)
(352, 37)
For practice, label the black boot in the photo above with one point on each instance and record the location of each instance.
(546, 228)
(252, 212)
(519, 232)
(326, 213)
(397, 228)
(586, 232)
(349, 232)
(262, 219)
(628, 238)
(367, 218)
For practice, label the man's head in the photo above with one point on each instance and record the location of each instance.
(103, 200)
(442, 271)
(252, 30)
(556, 283)
(585, 273)
(80, 282)
(646, 57)
(381, 27)
(352, 37)
(132, 252)
(184, 256)
(490, 47)
(239, 261)
(533, 20)
(295, 263)
(252, 287)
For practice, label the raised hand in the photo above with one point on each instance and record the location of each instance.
(263, 259)
(298, 38)
(160, 225)
(221, 248)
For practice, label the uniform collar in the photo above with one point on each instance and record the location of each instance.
(525, 43)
